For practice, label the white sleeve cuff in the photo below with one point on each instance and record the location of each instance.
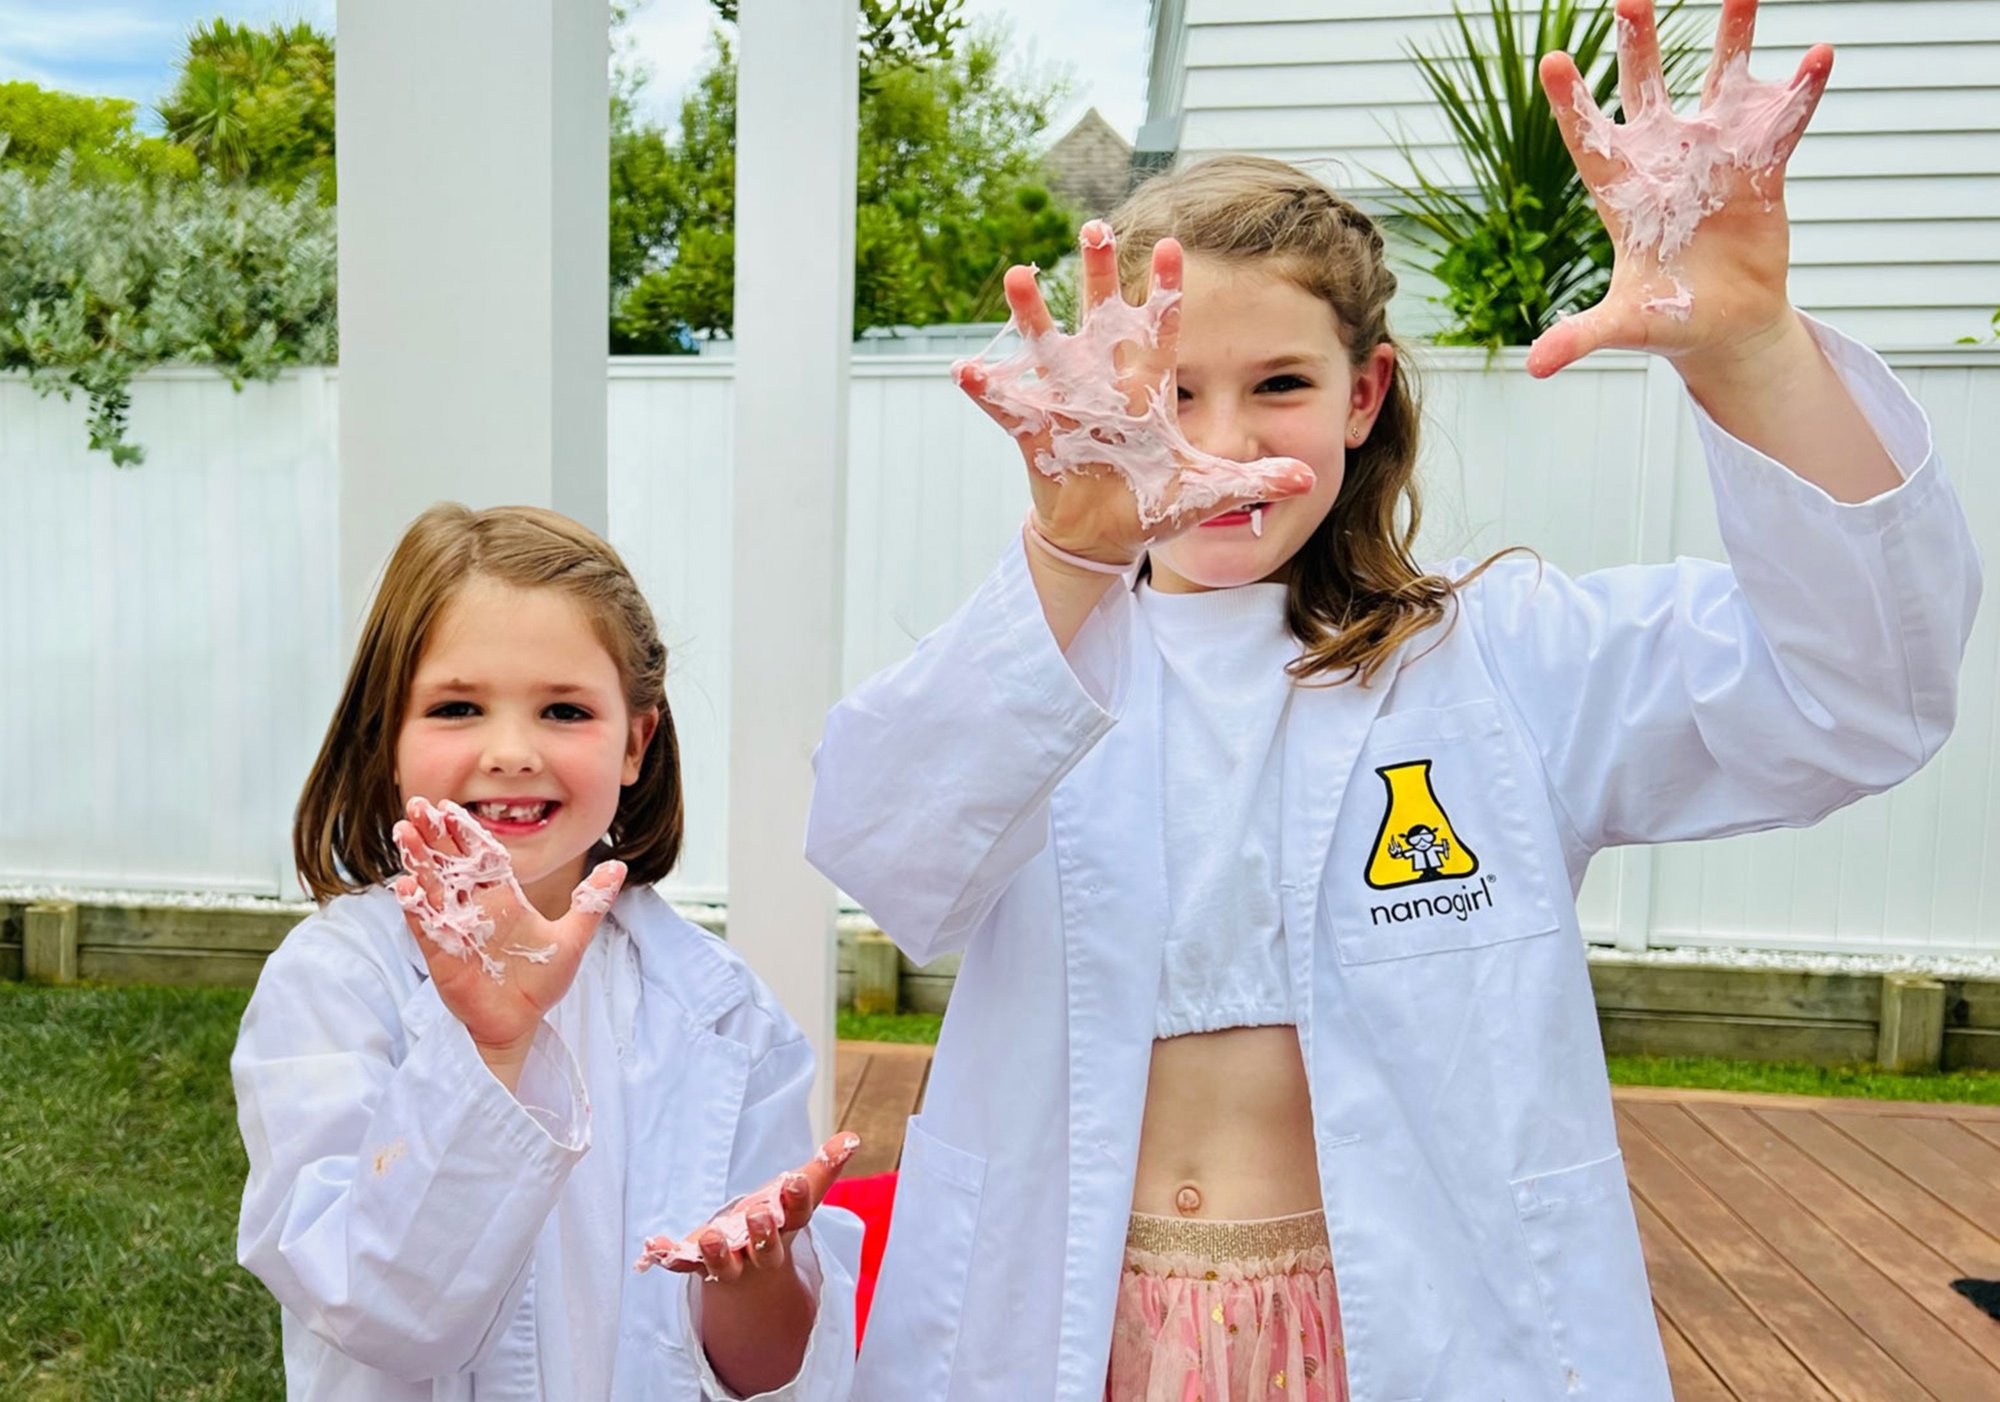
(1899, 422)
(552, 1092)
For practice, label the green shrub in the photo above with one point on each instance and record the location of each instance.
(99, 282)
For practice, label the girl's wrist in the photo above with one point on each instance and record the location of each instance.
(1080, 564)
(505, 1060)
(1761, 361)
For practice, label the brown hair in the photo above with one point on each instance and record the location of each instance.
(1356, 593)
(341, 832)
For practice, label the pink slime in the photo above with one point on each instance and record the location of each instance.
(460, 928)
(733, 1222)
(1676, 168)
(1069, 386)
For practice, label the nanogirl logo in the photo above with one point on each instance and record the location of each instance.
(1459, 904)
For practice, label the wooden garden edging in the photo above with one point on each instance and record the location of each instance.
(1645, 1007)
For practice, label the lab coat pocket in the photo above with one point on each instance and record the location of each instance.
(920, 1293)
(1583, 1249)
(1438, 843)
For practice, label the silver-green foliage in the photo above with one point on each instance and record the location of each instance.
(100, 281)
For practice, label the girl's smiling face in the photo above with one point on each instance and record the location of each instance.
(1263, 372)
(518, 713)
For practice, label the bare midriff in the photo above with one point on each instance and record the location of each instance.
(1228, 1130)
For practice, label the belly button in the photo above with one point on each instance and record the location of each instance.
(1188, 1200)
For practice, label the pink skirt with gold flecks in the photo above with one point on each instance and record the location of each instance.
(1227, 1312)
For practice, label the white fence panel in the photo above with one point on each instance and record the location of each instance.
(168, 635)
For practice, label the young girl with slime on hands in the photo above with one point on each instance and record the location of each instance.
(469, 1092)
(1272, 1068)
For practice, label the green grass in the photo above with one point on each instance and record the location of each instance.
(120, 1176)
(1799, 1078)
(851, 1026)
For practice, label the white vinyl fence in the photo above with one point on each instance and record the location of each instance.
(169, 635)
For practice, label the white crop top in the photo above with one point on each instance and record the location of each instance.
(1224, 697)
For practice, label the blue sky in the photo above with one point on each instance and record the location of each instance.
(125, 48)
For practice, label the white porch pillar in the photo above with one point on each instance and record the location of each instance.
(474, 141)
(795, 169)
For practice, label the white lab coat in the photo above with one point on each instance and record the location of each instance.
(431, 1236)
(990, 796)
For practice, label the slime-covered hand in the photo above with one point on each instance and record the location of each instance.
(1111, 471)
(498, 965)
(1694, 204)
(754, 1232)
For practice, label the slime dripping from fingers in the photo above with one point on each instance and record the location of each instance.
(1676, 169)
(733, 1222)
(457, 925)
(1071, 388)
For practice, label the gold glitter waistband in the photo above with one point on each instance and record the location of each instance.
(1260, 1240)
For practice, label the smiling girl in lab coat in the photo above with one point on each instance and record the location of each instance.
(1272, 1066)
(464, 1116)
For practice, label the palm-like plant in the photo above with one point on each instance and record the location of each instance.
(1523, 245)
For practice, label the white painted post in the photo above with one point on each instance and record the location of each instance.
(473, 154)
(795, 168)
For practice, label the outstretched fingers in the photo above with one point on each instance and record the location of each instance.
(1814, 71)
(1735, 30)
(1586, 131)
(803, 1191)
(1100, 263)
(1024, 300)
(1641, 83)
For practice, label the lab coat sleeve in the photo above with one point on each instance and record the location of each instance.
(1697, 699)
(395, 1190)
(773, 1136)
(932, 779)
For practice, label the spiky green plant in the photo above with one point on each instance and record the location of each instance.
(1522, 245)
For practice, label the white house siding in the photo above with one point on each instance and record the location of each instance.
(169, 636)
(1895, 194)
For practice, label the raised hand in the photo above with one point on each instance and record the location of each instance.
(1694, 204)
(754, 1233)
(498, 965)
(1109, 468)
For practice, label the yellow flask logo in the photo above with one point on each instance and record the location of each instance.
(1416, 841)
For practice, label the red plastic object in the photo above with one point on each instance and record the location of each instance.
(870, 1199)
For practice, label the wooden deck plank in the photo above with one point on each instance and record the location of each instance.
(1735, 1344)
(1969, 1195)
(1893, 1109)
(1904, 1257)
(889, 1091)
(1693, 1379)
(848, 1065)
(1936, 1361)
(1970, 1249)
(1708, 1203)
(1989, 1132)
(1959, 1144)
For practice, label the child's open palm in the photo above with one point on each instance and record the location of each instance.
(496, 962)
(1694, 204)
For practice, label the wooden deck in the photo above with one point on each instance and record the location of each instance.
(1800, 1249)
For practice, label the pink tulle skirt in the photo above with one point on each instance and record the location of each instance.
(1227, 1312)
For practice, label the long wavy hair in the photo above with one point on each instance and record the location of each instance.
(1356, 592)
(341, 832)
